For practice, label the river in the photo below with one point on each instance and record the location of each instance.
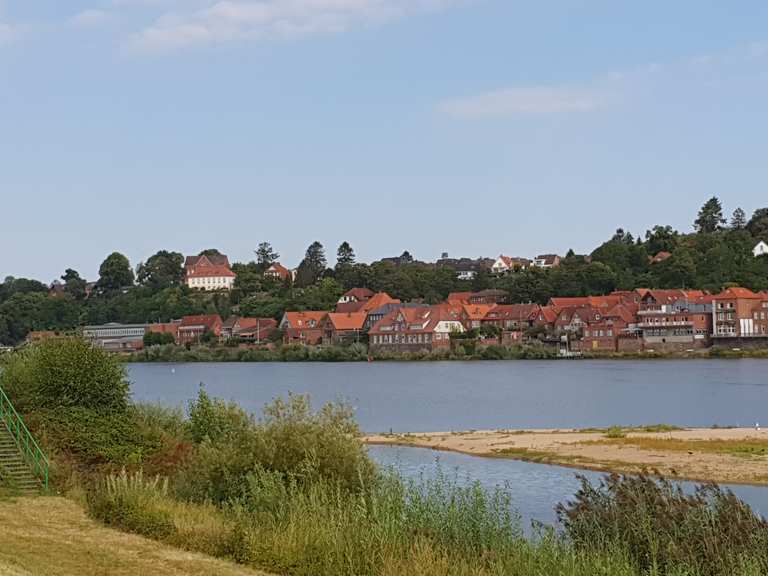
(443, 396)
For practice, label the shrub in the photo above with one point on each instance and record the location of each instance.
(66, 373)
(291, 440)
(133, 503)
(709, 532)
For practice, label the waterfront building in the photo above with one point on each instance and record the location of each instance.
(116, 337)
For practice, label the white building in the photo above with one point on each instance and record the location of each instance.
(761, 249)
(209, 272)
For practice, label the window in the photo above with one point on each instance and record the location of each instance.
(610, 332)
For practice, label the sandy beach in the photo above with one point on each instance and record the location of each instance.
(724, 455)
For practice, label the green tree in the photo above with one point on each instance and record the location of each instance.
(758, 224)
(210, 252)
(162, 270)
(313, 265)
(710, 218)
(66, 373)
(345, 256)
(157, 339)
(738, 220)
(115, 272)
(661, 239)
(265, 255)
(74, 285)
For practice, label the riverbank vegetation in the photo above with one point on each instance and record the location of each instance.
(358, 352)
(715, 256)
(294, 492)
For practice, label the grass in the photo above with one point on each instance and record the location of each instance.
(53, 536)
(650, 428)
(748, 447)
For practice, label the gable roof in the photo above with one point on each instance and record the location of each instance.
(347, 307)
(206, 260)
(359, 294)
(737, 292)
(377, 301)
(660, 257)
(302, 319)
(277, 269)
(349, 321)
(512, 311)
(477, 311)
(215, 271)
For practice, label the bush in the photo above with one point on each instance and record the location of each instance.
(65, 373)
(291, 440)
(133, 503)
(709, 532)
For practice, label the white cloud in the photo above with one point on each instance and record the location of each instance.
(91, 18)
(226, 20)
(525, 100)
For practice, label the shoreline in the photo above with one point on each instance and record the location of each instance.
(722, 455)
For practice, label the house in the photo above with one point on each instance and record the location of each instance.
(255, 330)
(603, 332)
(511, 317)
(115, 337)
(670, 320)
(761, 249)
(415, 329)
(193, 328)
(303, 327)
(277, 271)
(356, 295)
(364, 302)
(506, 264)
(547, 261)
(171, 328)
(208, 272)
(339, 327)
(465, 268)
(739, 313)
(573, 319)
(660, 257)
(472, 315)
(545, 317)
(235, 326)
(377, 314)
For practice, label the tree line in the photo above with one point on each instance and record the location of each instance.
(717, 254)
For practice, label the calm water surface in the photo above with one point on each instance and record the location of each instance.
(429, 397)
(419, 397)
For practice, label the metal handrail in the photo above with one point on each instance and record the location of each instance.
(30, 451)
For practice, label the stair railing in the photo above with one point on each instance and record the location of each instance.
(30, 451)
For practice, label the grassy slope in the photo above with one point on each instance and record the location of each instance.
(54, 536)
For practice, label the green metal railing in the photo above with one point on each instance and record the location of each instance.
(30, 451)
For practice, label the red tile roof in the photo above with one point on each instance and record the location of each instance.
(303, 319)
(210, 272)
(460, 297)
(477, 311)
(207, 320)
(350, 321)
(359, 294)
(737, 292)
(346, 307)
(660, 257)
(277, 269)
(377, 301)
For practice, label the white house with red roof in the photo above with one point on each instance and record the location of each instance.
(208, 272)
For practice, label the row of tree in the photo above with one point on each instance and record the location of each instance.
(717, 254)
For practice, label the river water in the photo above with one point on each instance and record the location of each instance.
(421, 397)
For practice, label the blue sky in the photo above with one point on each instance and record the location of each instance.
(475, 127)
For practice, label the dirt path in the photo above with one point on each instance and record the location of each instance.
(53, 536)
(735, 455)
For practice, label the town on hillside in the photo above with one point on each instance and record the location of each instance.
(666, 292)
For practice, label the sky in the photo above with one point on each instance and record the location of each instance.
(473, 127)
